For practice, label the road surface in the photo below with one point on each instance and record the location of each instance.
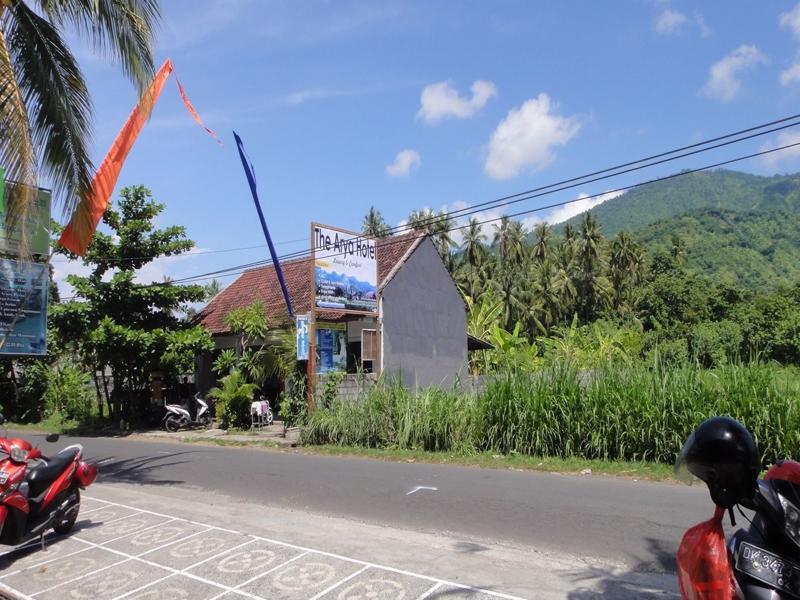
(635, 523)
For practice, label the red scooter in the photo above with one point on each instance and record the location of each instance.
(39, 493)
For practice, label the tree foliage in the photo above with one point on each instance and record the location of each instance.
(117, 324)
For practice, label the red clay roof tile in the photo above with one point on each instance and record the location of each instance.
(261, 284)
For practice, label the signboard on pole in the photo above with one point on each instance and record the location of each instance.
(331, 347)
(23, 307)
(33, 227)
(345, 270)
(302, 337)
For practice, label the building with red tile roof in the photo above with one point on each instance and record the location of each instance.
(421, 322)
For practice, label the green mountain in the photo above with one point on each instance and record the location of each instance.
(745, 228)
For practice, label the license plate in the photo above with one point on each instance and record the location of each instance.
(3, 477)
(769, 568)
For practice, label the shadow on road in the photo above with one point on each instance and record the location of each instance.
(142, 469)
(651, 577)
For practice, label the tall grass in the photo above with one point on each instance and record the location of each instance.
(630, 413)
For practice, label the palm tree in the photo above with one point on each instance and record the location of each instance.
(474, 250)
(45, 108)
(474, 255)
(546, 298)
(541, 250)
(678, 250)
(374, 224)
(591, 288)
(624, 265)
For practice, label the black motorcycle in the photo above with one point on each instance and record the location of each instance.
(761, 561)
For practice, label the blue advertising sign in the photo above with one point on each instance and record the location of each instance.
(345, 270)
(302, 337)
(23, 308)
(331, 349)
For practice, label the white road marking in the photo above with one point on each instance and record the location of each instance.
(104, 461)
(237, 590)
(422, 487)
(260, 575)
(338, 583)
(430, 591)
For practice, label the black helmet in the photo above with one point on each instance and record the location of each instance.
(722, 453)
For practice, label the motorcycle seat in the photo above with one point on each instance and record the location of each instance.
(41, 476)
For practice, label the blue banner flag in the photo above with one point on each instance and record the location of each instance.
(251, 180)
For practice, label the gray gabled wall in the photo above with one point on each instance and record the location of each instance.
(424, 339)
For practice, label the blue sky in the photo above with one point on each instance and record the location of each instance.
(403, 105)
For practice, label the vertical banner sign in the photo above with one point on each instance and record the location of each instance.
(249, 172)
(331, 347)
(302, 337)
(345, 270)
(33, 228)
(23, 307)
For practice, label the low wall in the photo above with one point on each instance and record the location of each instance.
(349, 388)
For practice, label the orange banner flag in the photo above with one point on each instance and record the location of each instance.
(78, 234)
(193, 112)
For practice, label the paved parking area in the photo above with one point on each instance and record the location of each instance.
(118, 551)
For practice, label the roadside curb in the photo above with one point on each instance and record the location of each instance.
(274, 436)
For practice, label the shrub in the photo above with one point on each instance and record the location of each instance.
(233, 400)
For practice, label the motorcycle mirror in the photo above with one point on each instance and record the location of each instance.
(2, 419)
(52, 437)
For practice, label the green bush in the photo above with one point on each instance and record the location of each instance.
(233, 400)
(292, 403)
(629, 413)
(716, 343)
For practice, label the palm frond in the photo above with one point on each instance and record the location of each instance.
(58, 102)
(122, 29)
(17, 154)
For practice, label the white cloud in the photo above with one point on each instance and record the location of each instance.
(705, 30)
(723, 79)
(404, 162)
(527, 136)
(441, 100)
(791, 20)
(784, 138)
(669, 21)
(567, 211)
(154, 271)
(791, 75)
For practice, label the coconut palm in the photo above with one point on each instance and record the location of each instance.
(474, 250)
(624, 265)
(45, 108)
(678, 250)
(542, 233)
(374, 224)
(592, 288)
(545, 309)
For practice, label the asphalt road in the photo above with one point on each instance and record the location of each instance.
(636, 523)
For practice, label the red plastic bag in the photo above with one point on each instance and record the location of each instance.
(704, 571)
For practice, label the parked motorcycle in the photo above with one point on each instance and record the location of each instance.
(39, 493)
(761, 561)
(178, 416)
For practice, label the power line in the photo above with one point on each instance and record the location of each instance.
(241, 268)
(549, 189)
(553, 188)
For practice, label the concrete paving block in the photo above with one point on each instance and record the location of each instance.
(240, 565)
(89, 527)
(177, 587)
(457, 593)
(36, 579)
(32, 554)
(147, 543)
(185, 553)
(303, 578)
(375, 584)
(109, 583)
(123, 528)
